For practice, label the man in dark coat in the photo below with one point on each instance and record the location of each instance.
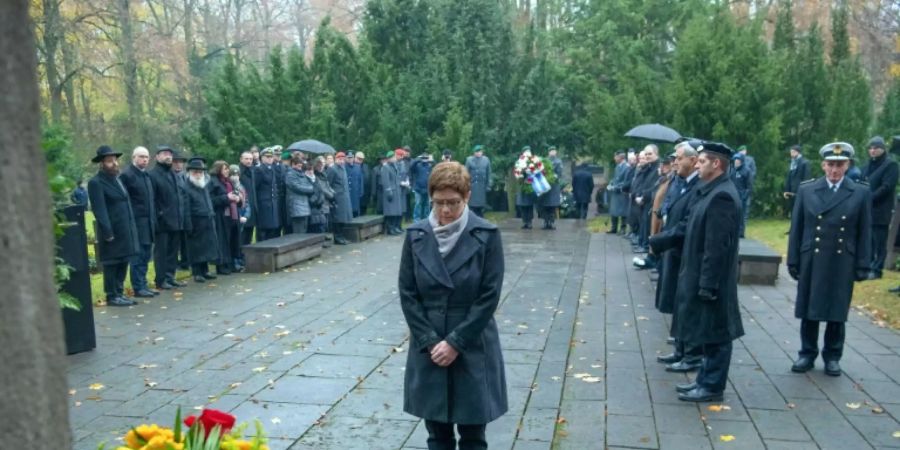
(829, 247)
(343, 209)
(707, 301)
(582, 188)
(168, 194)
(881, 174)
(366, 188)
(268, 200)
(140, 190)
(750, 164)
(618, 198)
(419, 171)
(281, 168)
(117, 235)
(389, 185)
(355, 181)
(550, 201)
(743, 182)
(479, 167)
(179, 161)
(202, 239)
(376, 188)
(798, 173)
(674, 210)
(643, 190)
(247, 180)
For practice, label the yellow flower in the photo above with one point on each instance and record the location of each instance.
(236, 444)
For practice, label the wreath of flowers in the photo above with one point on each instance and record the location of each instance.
(529, 165)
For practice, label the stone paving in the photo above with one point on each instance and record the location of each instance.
(317, 354)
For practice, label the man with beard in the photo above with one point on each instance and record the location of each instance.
(674, 210)
(337, 180)
(117, 235)
(268, 206)
(706, 295)
(202, 240)
(247, 180)
(168, 194)
(140, 191)
(881, 174)
(829, 248)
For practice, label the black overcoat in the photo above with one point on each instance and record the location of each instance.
(115, 219)
(169, 197)
(268, 201)
(830, 246)
(453, 298)
(582, 184)
(709, 260)
(389, 183)
(797, 176)
(140, 189)
(202, 239)
(667, 283)
(247, 181)
(343, 206)
(882, 178)
(553, 197)
(218, 194)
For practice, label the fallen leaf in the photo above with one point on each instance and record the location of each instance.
(719, 408)
(72, 391)
(283, 333)
(150, 384)
(726, 438)
(581, 375)
(147, 366)
(896, 434)
(276, 420)
(96, 386)
(591, 379)
(854, 405)
(259, 369)
(791, 406)
(561, 420)
(878, 410)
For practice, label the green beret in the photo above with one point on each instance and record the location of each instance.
(286, 154)
(477, 148)
(742, 148)
(389, 154)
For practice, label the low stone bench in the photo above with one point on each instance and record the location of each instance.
(278, 253)
(362, 228)
(757, 263)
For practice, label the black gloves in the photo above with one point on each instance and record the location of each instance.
(707, 295)
(794, 272)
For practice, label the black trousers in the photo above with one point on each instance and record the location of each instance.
(582, 209)
(165, 255)
(478, 210)
(247, 235)
(713, 373)
(114, 279)
(200, 269)
(644, 230)
(548, 213)
(526, 213)
(879, 247)
(264, 234)
(299, 224)
(441, 437)
(833, 347)
(615, 224)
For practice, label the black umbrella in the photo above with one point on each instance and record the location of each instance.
(653, 132)
(312, 146)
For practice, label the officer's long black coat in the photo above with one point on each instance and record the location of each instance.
(247, 177)
(830, 242)
(202, 239)
(140, 190)
(882, 179)
(453, 299)
(709, 261)
(115, 219)
(268, 201)
(671, 259)
(582, 184)
(169, 198)
(797, 176)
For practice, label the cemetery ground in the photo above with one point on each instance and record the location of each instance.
(316, 352)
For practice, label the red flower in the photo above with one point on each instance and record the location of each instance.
(209, 418)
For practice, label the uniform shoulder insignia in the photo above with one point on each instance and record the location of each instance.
(807, 181)
(864, 183)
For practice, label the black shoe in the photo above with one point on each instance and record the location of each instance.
(154, 291)
(701, 394)
(670, 340)
(165, 286)
(894, 290)
(685, 387)
(119, 301)
(223, 271)
(177, 283)
(199, 279)
(611, 232)
(874, 275)
(669, 359)
(832, 368)
(341, 241)
(683, 366)
(128, 299)
(209, 276)
(144, 293)
(803, 364)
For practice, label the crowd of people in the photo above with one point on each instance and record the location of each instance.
(185, 213)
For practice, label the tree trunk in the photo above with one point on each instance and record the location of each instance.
(129, 68)
(51, 44)
(33, 377)
(69, 82)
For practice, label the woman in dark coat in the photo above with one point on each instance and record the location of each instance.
(451, 275)
(320, 201)
(226, 202)
(202, 240)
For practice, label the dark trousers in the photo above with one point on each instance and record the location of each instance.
(478, 210)
(264, 234)
(226, 257)
(582, 209)
(548, 213)
(200, 269)
(879, 247)
(165, 255)
(441, 436)
(832, 348)
(139, 267)
(713, 373)
(114, 279)
(615, 224)
(393, 223)
(526, 213)
(745, 204)
(183, 261)
(234, 241)
(644, 230)
(299, 224)
(247, 235)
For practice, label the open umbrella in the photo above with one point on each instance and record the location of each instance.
(312, 146)
(653, 132)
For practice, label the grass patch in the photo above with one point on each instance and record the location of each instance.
(599, 224)
(496, 217)
(871, 296)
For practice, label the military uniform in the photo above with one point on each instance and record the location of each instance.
(479, 168)
(829, 248)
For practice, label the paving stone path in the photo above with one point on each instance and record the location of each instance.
(317, 354)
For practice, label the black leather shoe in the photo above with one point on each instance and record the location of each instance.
(803, 364)
(165, 286)
(177, 283)
(199, 279)
(209, 276)
(341, 241)
(685, 387)
(669, 359)
(832, 368)
(154, 291)
(118, 301)
(683, 366)
(144, 293)
(701, 394)
(894, 290)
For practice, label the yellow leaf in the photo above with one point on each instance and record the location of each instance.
(96, 386)
(719, 408)
(726, 438)
(854, 405)
(896, 434)
(259, 369)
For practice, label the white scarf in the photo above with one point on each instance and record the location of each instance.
(448, 235)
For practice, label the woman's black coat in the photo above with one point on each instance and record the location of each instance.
(115, 219)
(453, 299)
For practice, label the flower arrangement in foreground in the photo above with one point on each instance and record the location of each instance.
(536, 172)
(212, 430)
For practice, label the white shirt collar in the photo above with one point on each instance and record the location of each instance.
(692, 176)
(832, 185)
